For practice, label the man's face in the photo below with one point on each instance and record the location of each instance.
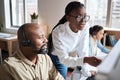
(38, 41)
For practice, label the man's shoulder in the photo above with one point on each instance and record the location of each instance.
(9, 64)
(11, 61)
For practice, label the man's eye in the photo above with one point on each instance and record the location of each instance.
(40, 37)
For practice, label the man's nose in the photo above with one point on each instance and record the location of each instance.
(45, 39)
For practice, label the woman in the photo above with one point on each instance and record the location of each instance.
(96, 34)
(68, 41)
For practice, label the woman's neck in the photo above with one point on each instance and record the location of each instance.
(94, 38)
(73, 28)
(94, 46)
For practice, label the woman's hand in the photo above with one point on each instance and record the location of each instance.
(93, 73)
(92, 61)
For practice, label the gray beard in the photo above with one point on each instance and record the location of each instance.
(43, 50)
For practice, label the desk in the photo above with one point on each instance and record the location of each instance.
(9, 39)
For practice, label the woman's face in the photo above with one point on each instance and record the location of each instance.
(77, 19)
(99, 35)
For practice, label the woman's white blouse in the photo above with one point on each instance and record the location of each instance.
(70, 47)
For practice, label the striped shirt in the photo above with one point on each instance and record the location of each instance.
(18, 67)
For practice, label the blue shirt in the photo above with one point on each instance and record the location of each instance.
(100, 46)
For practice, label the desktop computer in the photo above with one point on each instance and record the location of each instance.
(109, 69)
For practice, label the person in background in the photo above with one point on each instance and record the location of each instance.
(96, 34)
(69, 40)
(30, 61)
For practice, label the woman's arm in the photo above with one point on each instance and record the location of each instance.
(102, 48)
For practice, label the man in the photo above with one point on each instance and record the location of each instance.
(30, 61)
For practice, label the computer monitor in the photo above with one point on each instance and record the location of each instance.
(109, 69)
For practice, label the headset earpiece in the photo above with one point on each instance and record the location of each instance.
(25, 42)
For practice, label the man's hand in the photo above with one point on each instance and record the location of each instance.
(92, 61)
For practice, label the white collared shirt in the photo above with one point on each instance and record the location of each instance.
(68, 45)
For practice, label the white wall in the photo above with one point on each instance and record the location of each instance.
(51, 11)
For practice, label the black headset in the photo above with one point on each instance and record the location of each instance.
(25, 42)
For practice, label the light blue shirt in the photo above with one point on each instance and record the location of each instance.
(102, 48)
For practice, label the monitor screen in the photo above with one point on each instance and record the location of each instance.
(110, 64)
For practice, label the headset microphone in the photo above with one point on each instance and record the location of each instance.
(25, 42)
